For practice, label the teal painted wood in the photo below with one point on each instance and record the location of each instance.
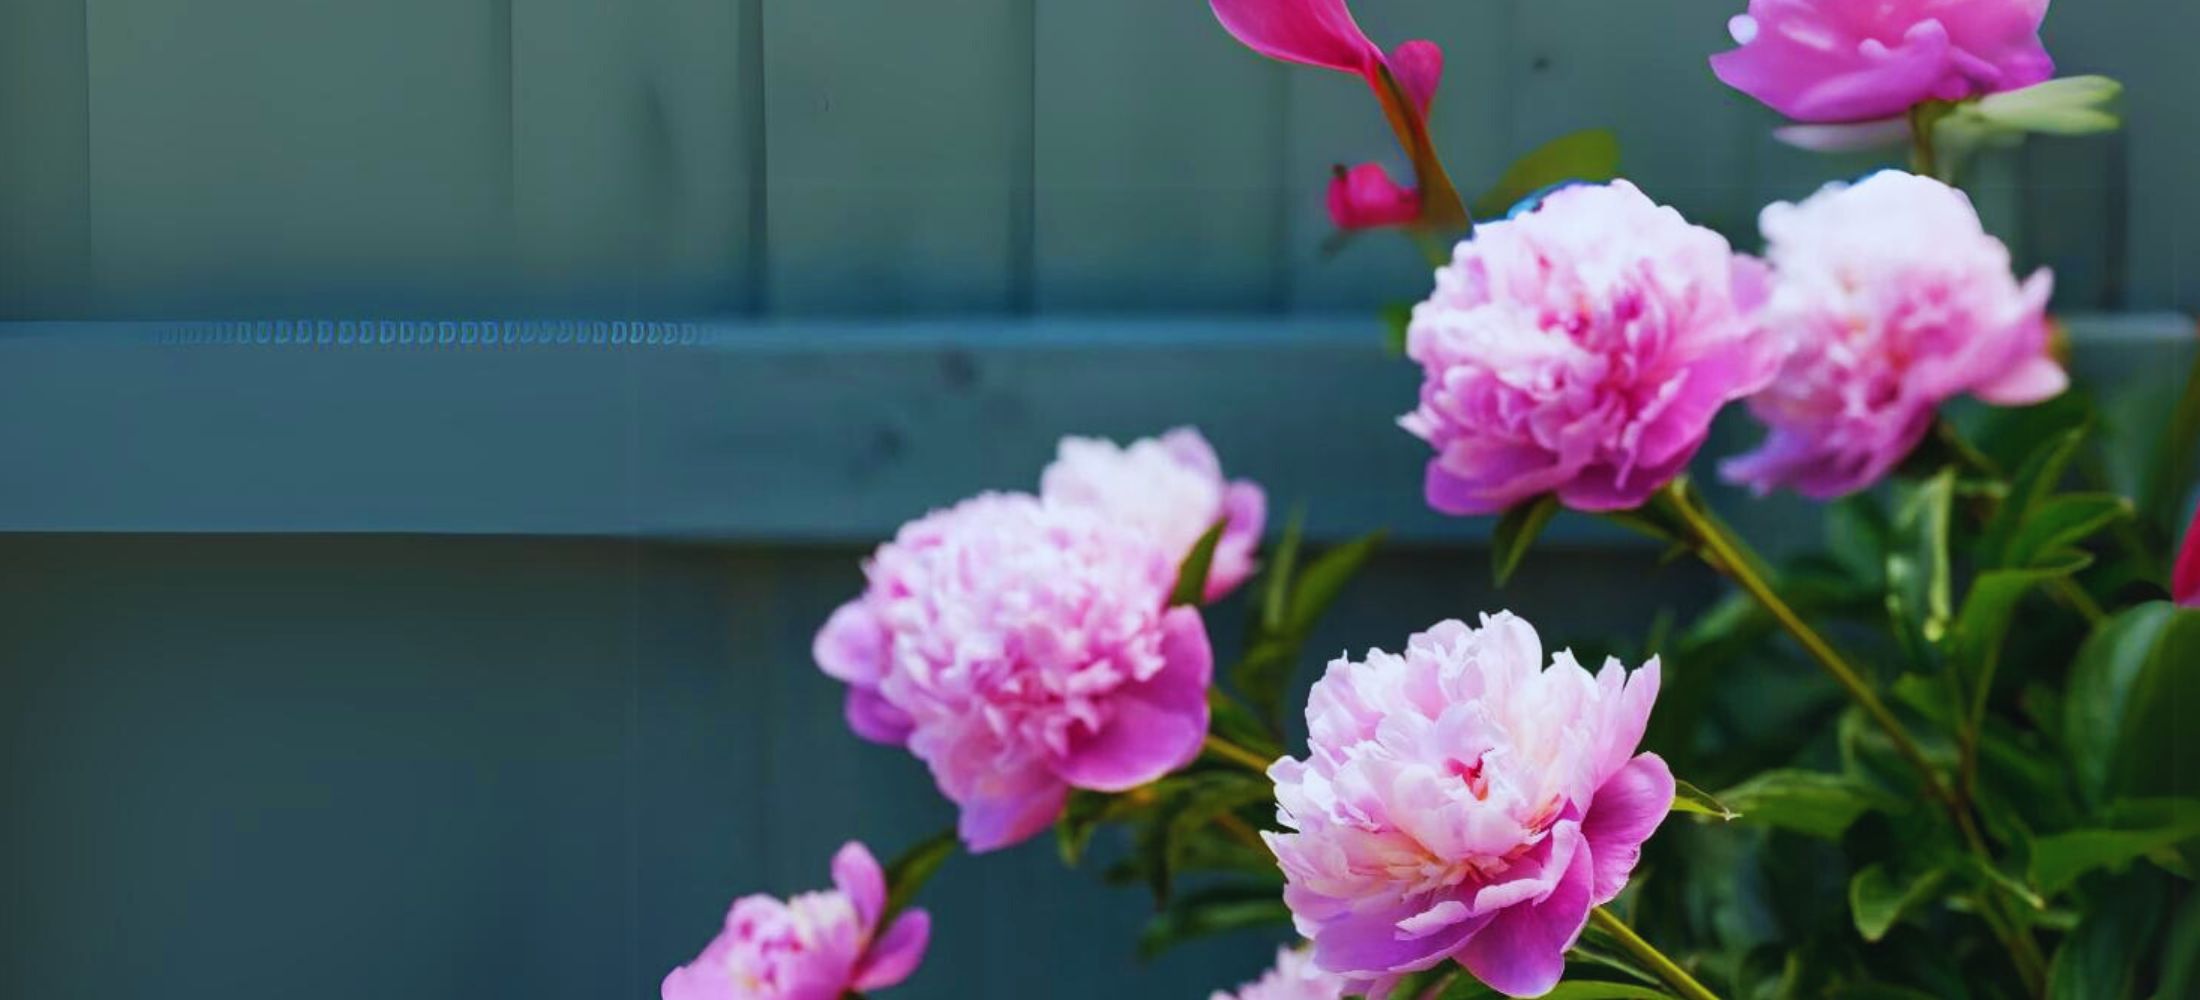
(898, 152)
(1158, 180)
(463, 767)
(249, 157)
(634, 136)
(45, 195)
(788, 431)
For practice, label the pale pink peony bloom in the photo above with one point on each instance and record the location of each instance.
(1887, 298)
(1172, 489)
(1849, 60)
(2184, 580)
(1580, 349)
(1021, 648)
(1459, 801)
(1294, 977)
(815, 946)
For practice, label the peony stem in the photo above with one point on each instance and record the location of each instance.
(1666, 969)
(1727, 553)
(1236, 754)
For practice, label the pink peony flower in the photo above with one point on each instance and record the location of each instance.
(1021, 648)
(816, 946)
(1580, 349)
(1887, 299)
(1461, 802)
(1171, 489)
(1846, 60)
(1365, 197)
(1294, 977)
(2184, 580)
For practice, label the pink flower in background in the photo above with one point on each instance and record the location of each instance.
(1322, 33)
(1887, 299)
(1021, 648)
(1294, 977)
(1852, 60)
(1172, 489)
(1580, 349)
(1460, 801)
(1365, 197)
(2184, 580)
(815, 946)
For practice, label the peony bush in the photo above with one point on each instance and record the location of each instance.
(1941, 754)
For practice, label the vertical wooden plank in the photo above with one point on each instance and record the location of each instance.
(1640, 69)
(1333, 119)
(1158, 160)
(45, 250)
(270, 156)
(898, 142)
(2074, 213)
(631, 162)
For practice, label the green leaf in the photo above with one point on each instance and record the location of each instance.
(1325, 578)
(1917, 563)
(2036, 479)
(1397, 318)
(1231, 720)
(907, 874)
(2181, 952)
(1212, 910)
(1276, 585)
(1594, 989)
(2121, 723)
(1516, 533)
(2064, 521)
(1878, 898)
(1085, 812)
(1688, 798)
(2076, 105)
(1857, 537)
(1590, 155)
(2059, 860)
(1807, 802)
(1991, 605)
(1191, 576)
(2102, 958)
(2171, 472)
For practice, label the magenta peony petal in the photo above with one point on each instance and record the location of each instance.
(1158, 726)
(1170, 488)
(874, 718)
(1245, 511)
(2184, 580)
(1364, 197)
(857, 875)
(1418, 67)
(1628, 809)
(1839, 61)
(1022, 808)
(895, 954)
(1313, 32)
(1373, 942)
(1522, 953)
(852, 645)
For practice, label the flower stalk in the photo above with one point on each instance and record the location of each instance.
(1667, 970)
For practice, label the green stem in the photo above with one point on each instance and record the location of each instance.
(1236, 754)
(1924, 159)
(1666, 969)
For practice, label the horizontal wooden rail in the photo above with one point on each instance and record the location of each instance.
(804, 432)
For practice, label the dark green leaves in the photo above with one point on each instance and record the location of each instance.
(1191, 576)
(1878, 898)
(907, 874)
(1688, 798)
(1806, 802)
(2059, 860)
(1212, 910)
(1591, 155)
(1291, 603)
(2120, 721)
(1516, 533)
(1918, 565)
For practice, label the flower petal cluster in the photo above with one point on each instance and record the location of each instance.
(1169, 487)
(1020, 648)
(1460, 801)
(1294, 977)
(1847, 61)
(815, 946)
(1886, 299)
(1580, 349)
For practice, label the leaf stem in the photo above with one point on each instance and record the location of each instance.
(1666, 969)
(1236, 754)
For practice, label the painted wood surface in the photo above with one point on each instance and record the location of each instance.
(685, 158)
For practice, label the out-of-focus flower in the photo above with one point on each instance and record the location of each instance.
(1847, 60)
(2184, 581)
(1887, 298)
(815, 946)
(1322, 33)
(1364, 197)
(1172, 489)
(1580, 349)
(1294, 977)
(1460, 801)
(1021, 648)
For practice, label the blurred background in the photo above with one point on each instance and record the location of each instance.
(433, 429)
